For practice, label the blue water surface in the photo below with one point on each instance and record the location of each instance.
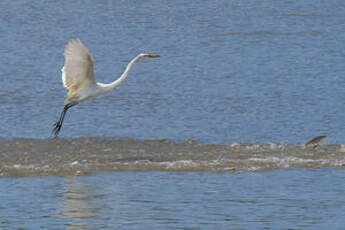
(281, 199)
(251, 71)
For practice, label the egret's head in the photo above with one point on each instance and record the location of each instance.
(150, 55)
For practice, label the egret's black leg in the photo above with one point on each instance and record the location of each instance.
(58, 124)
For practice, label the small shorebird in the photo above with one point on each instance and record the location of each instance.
(78, 77)
(315, 141)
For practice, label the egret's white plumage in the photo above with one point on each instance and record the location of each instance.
(78, 77)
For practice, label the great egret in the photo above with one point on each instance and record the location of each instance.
(78, 77)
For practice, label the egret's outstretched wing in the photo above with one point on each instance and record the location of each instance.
(78, 69)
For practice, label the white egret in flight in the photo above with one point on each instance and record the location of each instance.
(78, 77)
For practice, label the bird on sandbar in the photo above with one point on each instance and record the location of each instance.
(78, 77)
(314, 142)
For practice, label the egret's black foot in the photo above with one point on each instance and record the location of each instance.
(56, 129)
(58, 124)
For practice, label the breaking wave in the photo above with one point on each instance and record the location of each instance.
(80, 156)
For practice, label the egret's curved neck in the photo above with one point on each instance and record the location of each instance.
(118, 81)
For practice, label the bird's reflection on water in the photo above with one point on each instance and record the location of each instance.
(77, 204)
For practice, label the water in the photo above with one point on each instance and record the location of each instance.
(261, 71)
(281, 199)
(239, 87)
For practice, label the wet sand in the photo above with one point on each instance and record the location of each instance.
(80, 156)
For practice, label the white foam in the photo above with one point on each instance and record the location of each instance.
(179, 164)
(74, 163)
